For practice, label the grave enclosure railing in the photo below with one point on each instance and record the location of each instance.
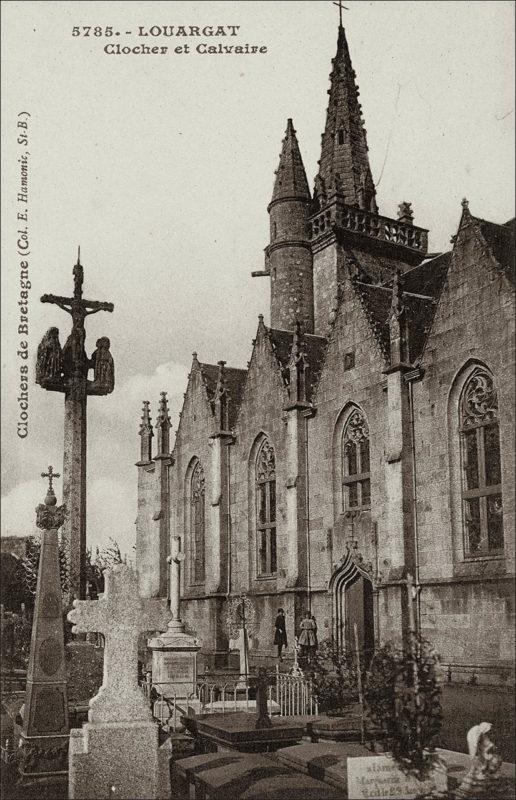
(288, 695)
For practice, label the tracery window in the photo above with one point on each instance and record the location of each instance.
(197, 523)
(266, 510)
(481, 466)
(356, 478)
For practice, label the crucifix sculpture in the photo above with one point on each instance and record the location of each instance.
(66, 370)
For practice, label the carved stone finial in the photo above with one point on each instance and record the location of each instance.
(465, 204)
(405, 213)
(297, 366)
(222, 398)
(146, 433)
(163, 425)
(260, 320)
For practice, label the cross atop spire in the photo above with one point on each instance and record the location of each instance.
(340, 6)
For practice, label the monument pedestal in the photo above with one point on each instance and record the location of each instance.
(134, 773)
(174, 669)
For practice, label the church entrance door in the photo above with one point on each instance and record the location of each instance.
(357, 601)
(353, 604)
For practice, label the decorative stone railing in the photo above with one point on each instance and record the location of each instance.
(356, 220)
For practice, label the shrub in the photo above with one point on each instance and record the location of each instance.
(403, 700)
(334, 678)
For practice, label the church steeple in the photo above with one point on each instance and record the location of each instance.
(344, 164)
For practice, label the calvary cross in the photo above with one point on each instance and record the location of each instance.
(120, 615)
(66, 370)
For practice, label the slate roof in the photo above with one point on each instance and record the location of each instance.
(378, 268)
(290, 176)
(500, 239)
(315, 350)
(235, 379)
(425, 279)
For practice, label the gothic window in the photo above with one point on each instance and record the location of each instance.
(340, 136)
(197, 520)
(266, 510)
(356, 480)
(481, 468)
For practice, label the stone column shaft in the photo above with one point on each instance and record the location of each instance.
(74, 492)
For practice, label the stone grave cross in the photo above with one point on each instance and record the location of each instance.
(121, 615)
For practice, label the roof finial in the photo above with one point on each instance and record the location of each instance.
(465, 203)
(78, 255)
(340, 7)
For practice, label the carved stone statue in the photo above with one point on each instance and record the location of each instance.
(49, 361)
(485, 761)
(103, 366)
(74, 354)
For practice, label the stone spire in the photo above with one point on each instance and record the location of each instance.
(163, 426)
(344, 164)
(146, 434)
(45, 714)
(291, 179)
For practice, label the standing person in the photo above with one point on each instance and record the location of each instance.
(280, 635)
(307, 637)
(316, 643)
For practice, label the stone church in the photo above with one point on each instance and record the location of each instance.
(370, 439)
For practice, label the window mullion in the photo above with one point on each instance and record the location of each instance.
(484, 539)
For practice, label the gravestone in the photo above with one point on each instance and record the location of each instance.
(378, 777)
(116, 752)
(44, 728)
(174, 653)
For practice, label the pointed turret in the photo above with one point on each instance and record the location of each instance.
(288, 257)
(146, 434)
(291, 181)
(344, 165)
(163, 426)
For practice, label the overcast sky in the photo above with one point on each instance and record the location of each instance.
(161, 167)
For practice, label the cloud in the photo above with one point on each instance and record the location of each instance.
(126, 402)
(112, 509)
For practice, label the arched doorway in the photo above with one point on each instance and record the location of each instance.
(352, 591)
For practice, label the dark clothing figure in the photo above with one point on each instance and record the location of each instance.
(103, 366)
(49, 361)
(280, 635)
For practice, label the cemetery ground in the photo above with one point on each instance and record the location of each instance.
(463, 706)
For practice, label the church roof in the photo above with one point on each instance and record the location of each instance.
(426, 279)
(500, 240)
(314, 349)
(344, 164)
(234, 380)
(290, 176)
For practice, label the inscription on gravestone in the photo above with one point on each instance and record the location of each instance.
(179, 668)
(49, 713)
(379, 777)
